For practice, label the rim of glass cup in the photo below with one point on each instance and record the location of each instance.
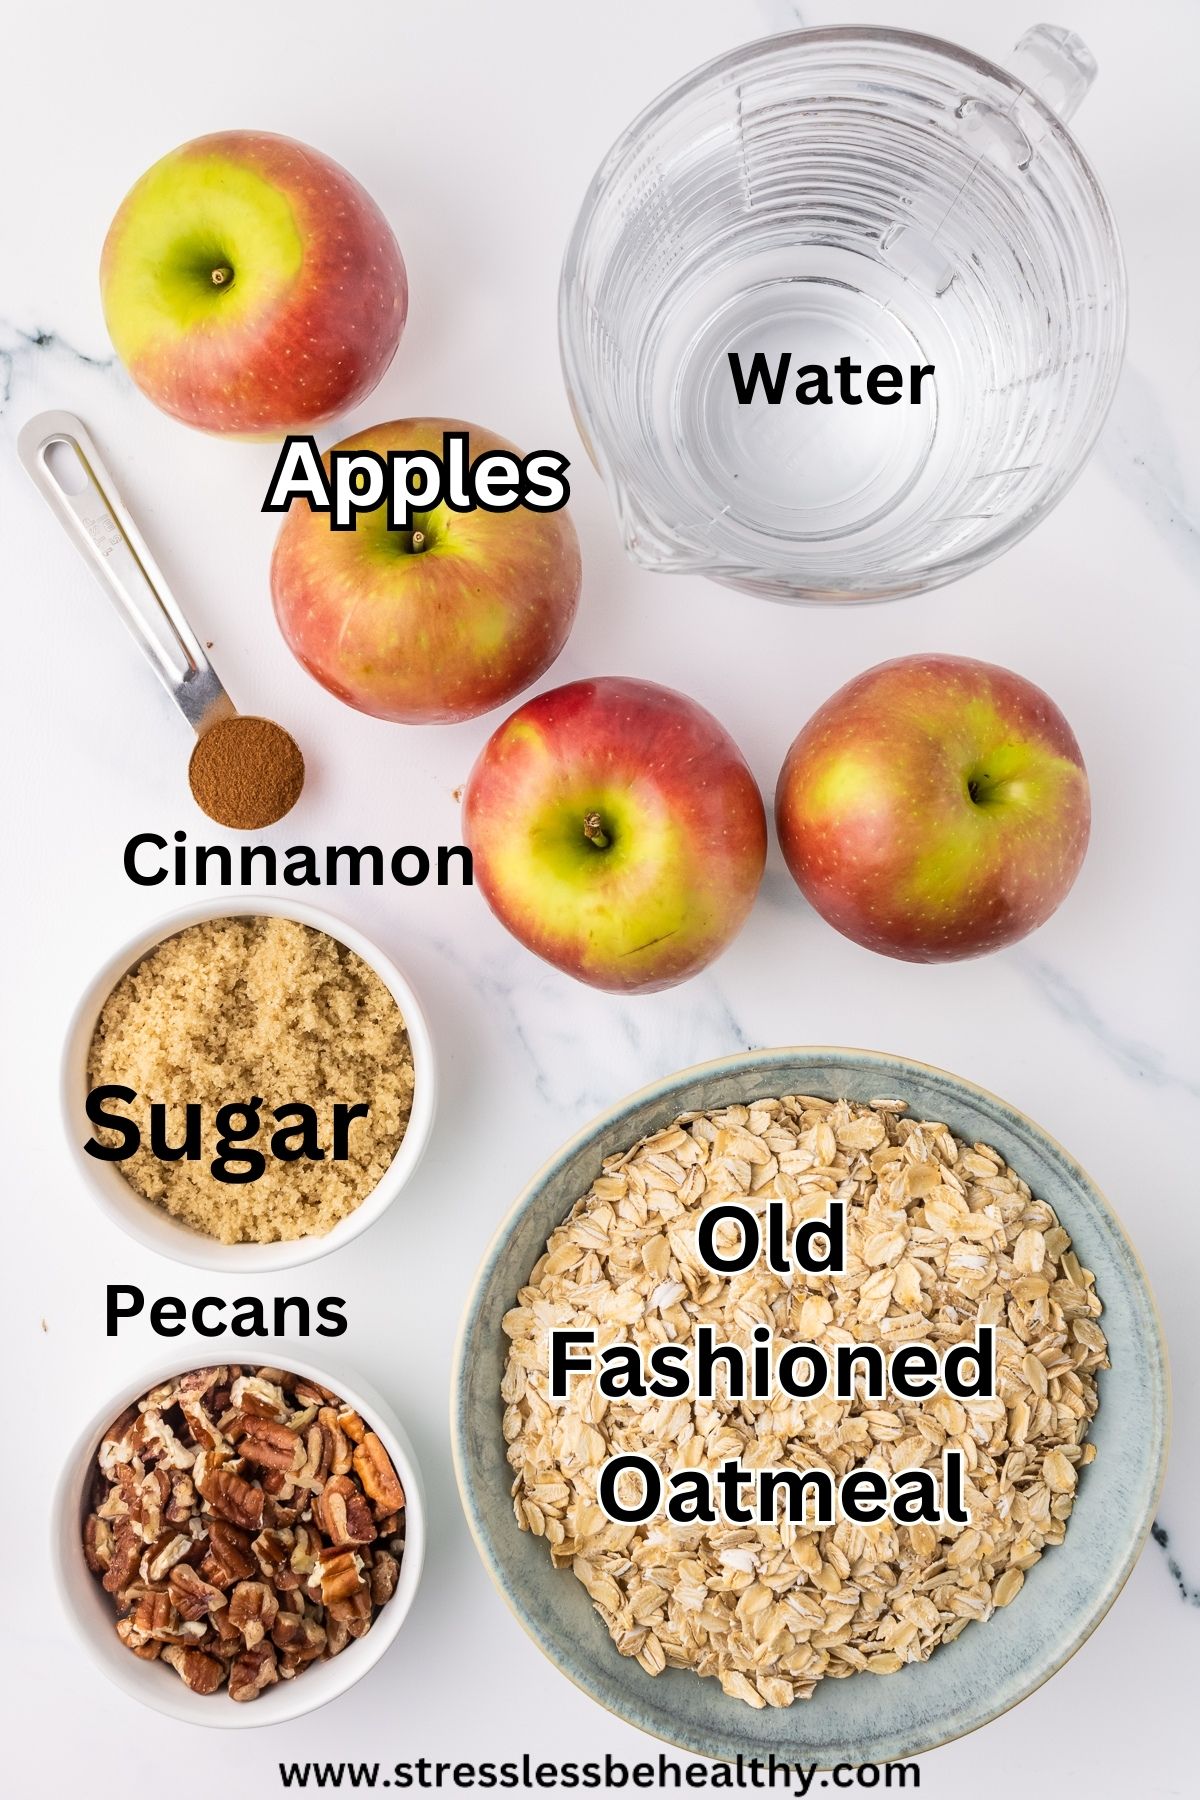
(779, 584)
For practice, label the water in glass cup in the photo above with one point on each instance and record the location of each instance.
(848, 199)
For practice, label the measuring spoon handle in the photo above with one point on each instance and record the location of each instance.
(92, 514)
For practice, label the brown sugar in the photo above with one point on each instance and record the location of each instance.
(246, 772)
(265, 1007)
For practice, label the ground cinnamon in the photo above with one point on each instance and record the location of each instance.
(246, 772)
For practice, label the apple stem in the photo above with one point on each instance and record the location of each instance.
(222, 277)
(594, 831)
(418, 540)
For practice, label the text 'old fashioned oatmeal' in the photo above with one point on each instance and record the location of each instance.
(942, 1239)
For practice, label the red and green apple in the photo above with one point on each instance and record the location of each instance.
(251, 286)
(935, 808)
(617, 832)
(444, 620)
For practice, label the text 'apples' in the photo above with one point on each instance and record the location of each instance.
(441, 621)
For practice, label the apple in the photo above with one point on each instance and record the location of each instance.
(617, 831)
(440, 622)
(935, 808)
(250, 285)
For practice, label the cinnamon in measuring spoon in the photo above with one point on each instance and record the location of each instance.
(246, 772)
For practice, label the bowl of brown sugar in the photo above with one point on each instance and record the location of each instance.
(247, 1089)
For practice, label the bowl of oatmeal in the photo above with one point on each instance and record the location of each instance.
(248, 1086)
(812, 1638)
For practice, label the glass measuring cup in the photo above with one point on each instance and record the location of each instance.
(859, 193)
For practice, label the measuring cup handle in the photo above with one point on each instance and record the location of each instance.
(1056, 65)
(91, 512)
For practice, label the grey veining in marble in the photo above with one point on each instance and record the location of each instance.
(1189, 1593)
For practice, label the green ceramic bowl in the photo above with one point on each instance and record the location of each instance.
(863, 1718)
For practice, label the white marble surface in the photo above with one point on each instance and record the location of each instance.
(477, 126)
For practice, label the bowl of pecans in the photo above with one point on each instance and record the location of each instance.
(237, 1544)
(811, 1403)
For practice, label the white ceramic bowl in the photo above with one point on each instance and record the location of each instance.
(91, 1610)
(151, 1224)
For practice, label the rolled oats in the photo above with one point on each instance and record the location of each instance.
(941, 1237)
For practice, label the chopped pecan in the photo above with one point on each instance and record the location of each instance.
(121, 1446)
(182, 1504)
(125, 1557)
(299, 1635)
(339, 1575)
(305, 1551)
(197, 1670)
(313, 1465)
(232, 1498)
(268, 1444)
(385, 1573)
(155, 1616)
(162, 1441)
(373, 1466)
(206, 1432)
(280, 1517)
(337, 1635)
(153, 1492)
(342, 1513)
(139, 1620)
(225, 1632)
(261, 1394)
(311, 1393)
(125, 1479)
(253, 1671)
(272, 1548)
(340, 1459)
(97, 1544)
(193, 1597)
(253, 1608)
(228, 1557)
(354, 1613)
(147, 1648)
(198, 1382)
(352, 1424)
(194, 1400)
(282, 1504)
(161, 1397)
(114, 1506)
(170, 1549)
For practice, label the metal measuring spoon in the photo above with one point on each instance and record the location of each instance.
(266, 767)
